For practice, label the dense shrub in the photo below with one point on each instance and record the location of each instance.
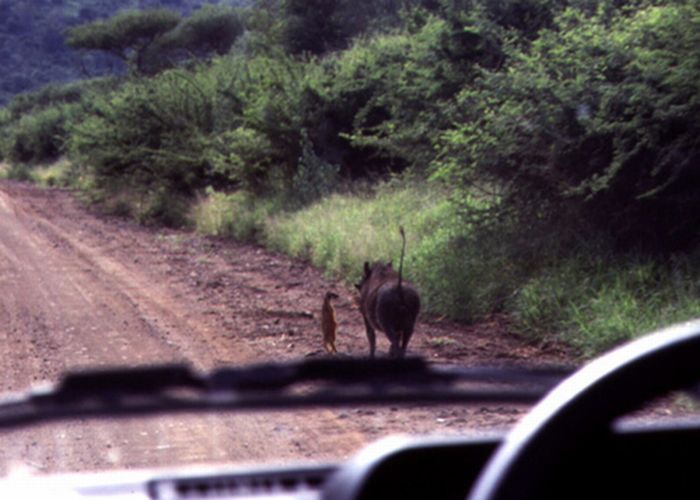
(594, 128)
(37, 136)
(323, 26)
(34, 126)
(269, 111)
(391, 94)
(151, 136)
(212, 29)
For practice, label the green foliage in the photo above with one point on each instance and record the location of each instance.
(128, 35)
(392, 93)
(341, 232)
(270, 104)
(594, 125)
(34, 126)
(151, 136)
(241, 155)
(37, 136)
(163, 207)
(212, 29)
(46, 96)
(311, 26)
(597, 302)
(238, 215)
(322, 26)
(314, 178)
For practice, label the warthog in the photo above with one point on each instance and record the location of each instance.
(388, 304)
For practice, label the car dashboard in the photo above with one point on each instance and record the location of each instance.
(636, 462)
(574, 442)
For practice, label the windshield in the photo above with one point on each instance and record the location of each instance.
(228, 183)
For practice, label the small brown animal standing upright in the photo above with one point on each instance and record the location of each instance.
(329, 323)
(388, 304)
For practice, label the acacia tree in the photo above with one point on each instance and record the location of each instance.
(213, 28)
(151, 40)
(320, 26)
(129, 35)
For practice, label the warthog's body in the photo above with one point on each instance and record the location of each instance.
(388, 304)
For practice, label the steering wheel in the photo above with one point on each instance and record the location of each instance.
(583, 407)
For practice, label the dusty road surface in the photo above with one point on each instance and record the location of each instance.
(78, 290)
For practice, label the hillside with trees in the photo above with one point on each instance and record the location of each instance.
(33, 49)
(544, 156)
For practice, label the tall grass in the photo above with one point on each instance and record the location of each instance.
(595, 302)
(239, 215)
(57, 174)
(341, 232)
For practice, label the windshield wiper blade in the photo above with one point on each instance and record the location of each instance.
(317, 382)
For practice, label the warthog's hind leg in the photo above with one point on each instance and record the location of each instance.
(396, 350)
(371, 338)
(405, 338)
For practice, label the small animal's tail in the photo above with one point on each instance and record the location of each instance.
(403, 251)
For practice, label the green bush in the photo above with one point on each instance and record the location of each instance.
(390, 94)
(242, 155)
(151, 135)
(162, 207)
(48, 96)
(34, 126)
(593, 127)
(212, 29)
(36, 137)
(270, 106)
(314, 178)
(322, 26)
(238, 215)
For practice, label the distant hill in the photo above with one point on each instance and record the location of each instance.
(32, 52)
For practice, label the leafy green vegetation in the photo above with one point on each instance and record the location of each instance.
(129, 36)
(543, 156)
(151, 40)
(341, 232)
(592, 128)
(596, 302)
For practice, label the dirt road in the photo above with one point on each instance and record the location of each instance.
(79, 290)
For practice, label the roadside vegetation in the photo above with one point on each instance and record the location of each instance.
(542, 155)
